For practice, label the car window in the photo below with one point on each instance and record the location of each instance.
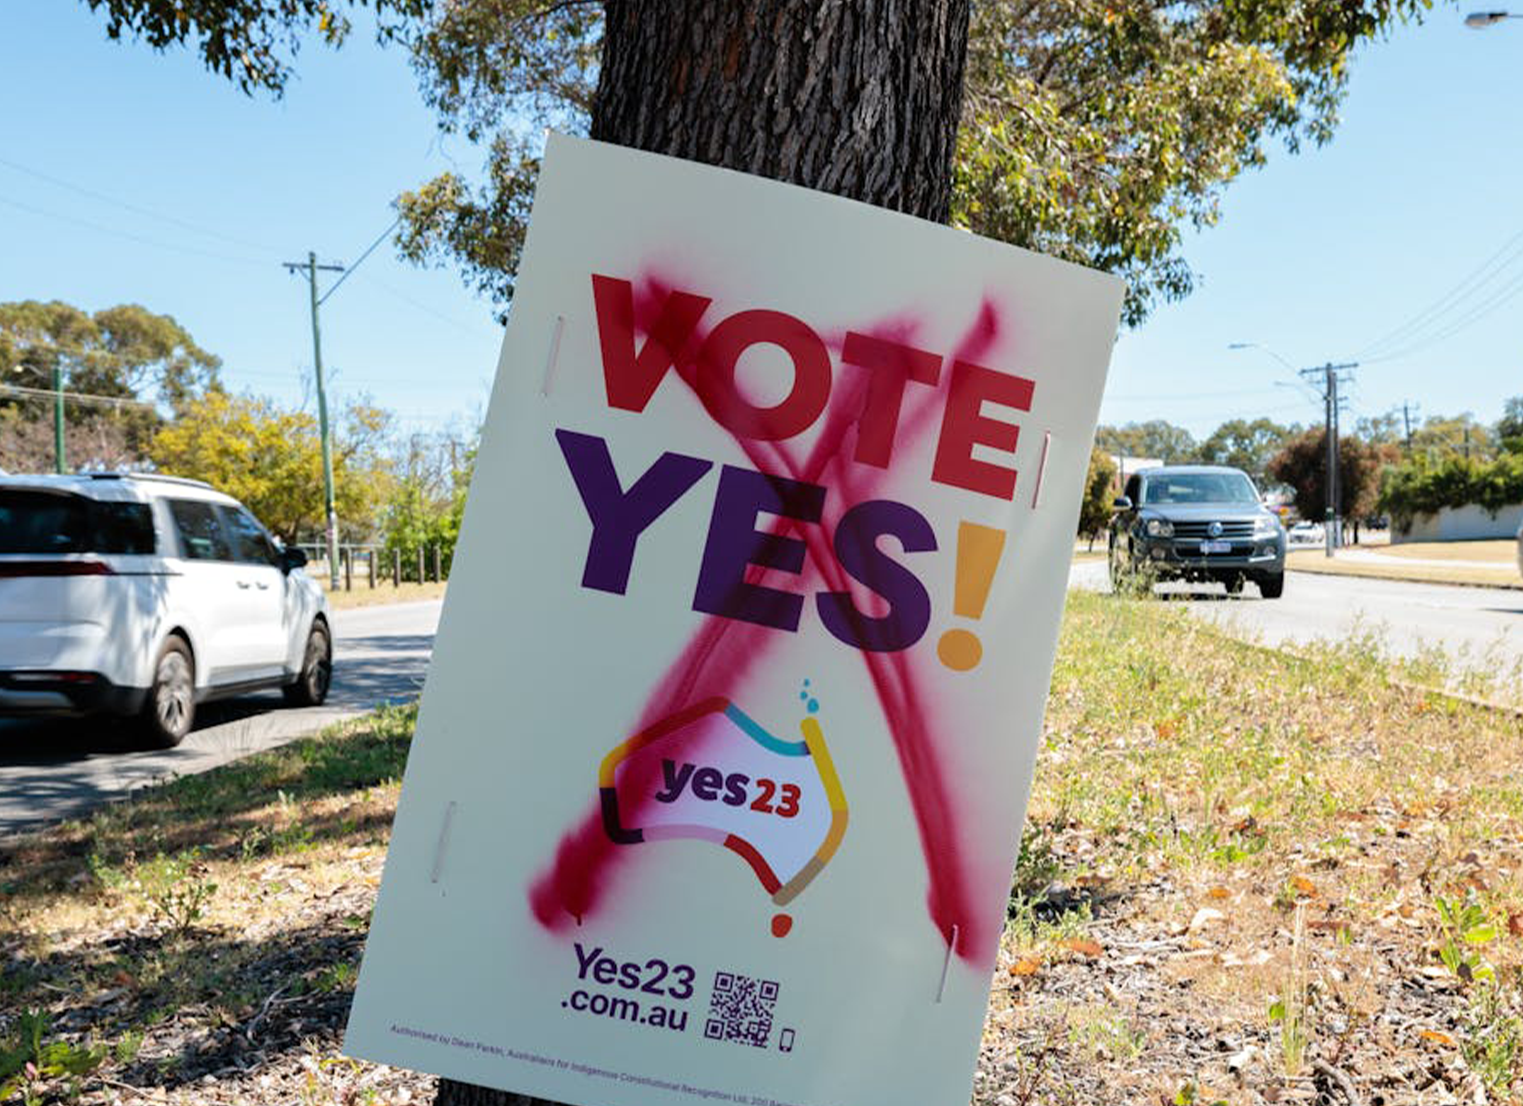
(42, 522)
(249, 541)
(36, 522)
(201, 535)
(121, 528)
(1198, 487)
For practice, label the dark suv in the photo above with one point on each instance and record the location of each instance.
(1196, 522)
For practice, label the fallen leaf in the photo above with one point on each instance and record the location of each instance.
(1026, 965)
(1515, 923)
(1303, 885)
(1434, 1035)
(1204, 917)
(1218, 893)
(1328, 925)
(1164, 730)
(1083, 946)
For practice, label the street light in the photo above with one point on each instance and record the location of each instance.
(1262, 349)
(1478, 20)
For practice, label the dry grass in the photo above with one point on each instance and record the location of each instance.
(365, 596)
(1502, 551)
(1309, 560)
(1247, 878)
(1197, 797)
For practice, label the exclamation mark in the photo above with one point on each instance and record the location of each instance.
(978, 553)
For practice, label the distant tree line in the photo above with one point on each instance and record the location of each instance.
(1387, 465)
(141, 395)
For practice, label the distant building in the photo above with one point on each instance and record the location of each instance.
(1127, 466)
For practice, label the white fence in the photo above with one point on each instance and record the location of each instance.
(1466, 523)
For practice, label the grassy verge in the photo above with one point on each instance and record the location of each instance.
(1247, 878)
(1501, 551)
(199, 943)
(365, 596)
(1247, 875)
(1314, 560)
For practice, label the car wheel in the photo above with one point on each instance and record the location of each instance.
(1272, 586)
(311, 686)
(171, 707)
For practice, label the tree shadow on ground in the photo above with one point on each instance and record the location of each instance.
(280, 798)
(175, 1008)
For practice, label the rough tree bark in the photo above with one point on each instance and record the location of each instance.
(856, 97)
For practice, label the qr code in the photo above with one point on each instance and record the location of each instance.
(740, 1009)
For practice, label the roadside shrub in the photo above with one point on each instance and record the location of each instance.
(177, 888)
(1420, 488)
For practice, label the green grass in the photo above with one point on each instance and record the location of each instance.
(1351, 827)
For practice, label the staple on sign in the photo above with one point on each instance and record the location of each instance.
(1041, 470)
(554, 356)
(946, 963)
(449, 817)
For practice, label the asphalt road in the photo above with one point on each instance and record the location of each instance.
(54, 769)
(1478, 627)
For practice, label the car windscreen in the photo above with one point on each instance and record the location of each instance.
(45, 522)
(1198, 487)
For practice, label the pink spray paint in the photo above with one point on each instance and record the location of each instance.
(723, 653)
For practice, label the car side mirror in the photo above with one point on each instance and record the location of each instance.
(1122, 503)
(292, 556)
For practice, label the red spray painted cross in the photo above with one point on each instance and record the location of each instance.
(879, 402)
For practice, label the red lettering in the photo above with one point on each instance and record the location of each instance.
(963, 425)
(720, 354)
(630, 378)
(891, 365)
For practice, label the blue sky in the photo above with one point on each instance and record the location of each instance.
(179, 193)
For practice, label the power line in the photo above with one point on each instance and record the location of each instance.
(1508, 292)
(369, 278)
(1191, 395)
(101, 229)
(81, 397)
(360, 261)
(1472, 284)
(125, 206)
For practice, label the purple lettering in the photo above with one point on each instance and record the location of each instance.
(734, 545)
(619, 517)
(856, 546)
(675, 780)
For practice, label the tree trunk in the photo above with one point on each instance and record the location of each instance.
(860, 98)
(856, 97)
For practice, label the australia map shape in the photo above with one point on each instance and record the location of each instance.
(710, 772)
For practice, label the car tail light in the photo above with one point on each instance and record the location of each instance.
(55, 568)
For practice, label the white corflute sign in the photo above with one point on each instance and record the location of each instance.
(727, 737)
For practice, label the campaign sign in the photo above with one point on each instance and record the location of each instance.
(721, 764)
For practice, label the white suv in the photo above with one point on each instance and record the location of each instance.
(142, 596)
